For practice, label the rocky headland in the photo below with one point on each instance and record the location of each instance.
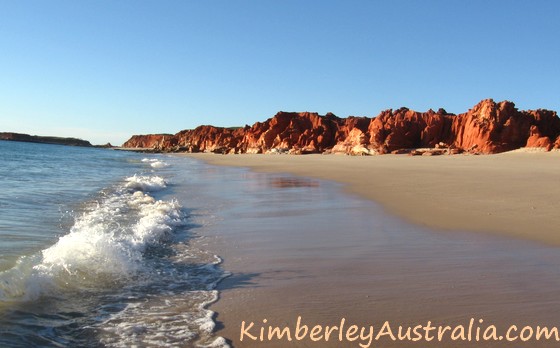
(487, 128)
(44, 139)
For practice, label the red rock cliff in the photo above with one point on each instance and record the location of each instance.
(492, 127)
(488, 127)
(148, 141)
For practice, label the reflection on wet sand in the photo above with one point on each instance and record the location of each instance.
(286, 182)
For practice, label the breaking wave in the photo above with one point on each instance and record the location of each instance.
(155, 163)
(130, 253)
(105, 244)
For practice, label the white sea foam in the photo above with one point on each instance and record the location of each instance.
(158, 164)
(174, 319)
(105, 243)
(120, 272)
(218, 342)
(148, 183)
(114, 245)
(164, 322)
(155, 163)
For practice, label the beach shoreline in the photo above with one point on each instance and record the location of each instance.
(308, 246)
(511, 194)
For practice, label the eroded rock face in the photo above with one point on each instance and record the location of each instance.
(488, 127)
(209, 139)
(305, 131)
(536, 139)
(148, 141)
(407, 129)
(492, 127)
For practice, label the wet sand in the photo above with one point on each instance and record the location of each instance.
(300, 247)
(514, 194)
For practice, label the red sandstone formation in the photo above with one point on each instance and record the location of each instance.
(209, 139)
(407, 129)
(493, 128)
(306, 132)
(148, 141)
(536, 139)
(488, 127)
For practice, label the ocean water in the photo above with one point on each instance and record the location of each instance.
(102, 248)
(96, 251)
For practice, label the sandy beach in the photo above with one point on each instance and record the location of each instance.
(514, 194)
(380, 254)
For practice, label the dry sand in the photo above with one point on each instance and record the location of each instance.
(515, 193)
(349, 259)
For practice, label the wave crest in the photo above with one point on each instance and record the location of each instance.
(106, 243)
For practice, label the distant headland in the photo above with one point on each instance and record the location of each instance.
(46, 139)
(487, 128)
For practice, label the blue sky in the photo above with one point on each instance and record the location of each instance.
(104, 70)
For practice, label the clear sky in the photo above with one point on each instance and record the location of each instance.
(104, 70)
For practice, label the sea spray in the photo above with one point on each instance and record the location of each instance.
(105, 243)
(123, 271)
(155, 162)
(145, 183)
